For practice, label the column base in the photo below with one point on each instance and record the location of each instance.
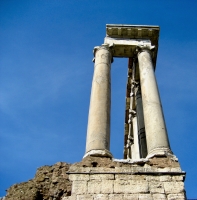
(99, 153)
(161, 151)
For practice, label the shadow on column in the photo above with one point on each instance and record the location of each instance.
(141, 126)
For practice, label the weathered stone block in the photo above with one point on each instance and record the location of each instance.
(151, 178)
(74, 168)
(79, 187)
(94, 187)
(79, 177)
(102, 169)
(65, 198)
(123, 176)
(123, 169)
(130, 186)
(107, 186)
(180, 196)
(138, 177)
(137, 169)
(100, 187)
(85, 197)
(159, 197)
(145, 197)
(101, 197)
(166, 169)
(130, 197)
(122, 186)
(156, 187)
(102, 177)
(165, 178)
(178, 178)
(173, 187)
(176, 169)
(73, 197)
(116, 196)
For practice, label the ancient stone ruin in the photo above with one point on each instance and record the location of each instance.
(149, 169)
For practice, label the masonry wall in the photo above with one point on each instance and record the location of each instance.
(129, 181)
(96, 178)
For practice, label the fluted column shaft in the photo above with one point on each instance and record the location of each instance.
(98, 131)
(156, 133)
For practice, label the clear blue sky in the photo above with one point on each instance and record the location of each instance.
(46, 73)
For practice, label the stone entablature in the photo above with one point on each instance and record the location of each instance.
(125, 38)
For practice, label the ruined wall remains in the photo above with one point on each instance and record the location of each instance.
(97, 178)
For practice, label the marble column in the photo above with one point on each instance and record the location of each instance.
(156, 133)
(98, 131)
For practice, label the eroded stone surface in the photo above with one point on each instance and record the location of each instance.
(102, 178)
(50, 182)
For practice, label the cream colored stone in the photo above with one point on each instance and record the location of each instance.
(173, 187)
(156, 133)
(156, 187)
(166, 169)
(123, 169)
(74, 168)
(130, 197)
(103, 187)
(130, 177)
(73, 197)
(79, 177)
(85, 197)
(145, 197)
(102, 169)
(122, 186)
(79, 187)
(65, 198)
(178, 178)
(123, 176)
(101, 197)
(116, 196)
(98, 132)
(102, 177)
(138, 169)
(151, 178)
(94, 187)
(159, 197)
(147, 168)
(107, 186)
(138, 177)
(180, 196)
(99, 153)
(150, 169)
(176, 169)
(130, 186)
(135, 152)
(165, 178)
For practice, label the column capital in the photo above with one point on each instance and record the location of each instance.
(145, 48)
(103, 46)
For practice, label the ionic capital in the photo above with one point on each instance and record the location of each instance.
(103, 46)
(145, 48)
